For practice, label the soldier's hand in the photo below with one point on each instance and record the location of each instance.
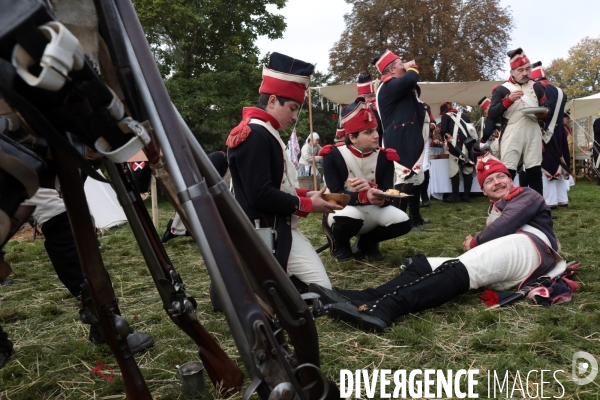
(467, 243)
(375, 200)
(320, 205)
(516, 95)
(410, 64)
(360, 184)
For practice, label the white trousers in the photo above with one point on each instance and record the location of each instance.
(501, 263)
(555, 191)
(372, 216)
(304, 262)
(177, 227)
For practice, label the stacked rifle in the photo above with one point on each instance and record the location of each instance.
(55, 95)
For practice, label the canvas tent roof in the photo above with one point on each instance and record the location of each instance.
(432, 93)
(584, 107)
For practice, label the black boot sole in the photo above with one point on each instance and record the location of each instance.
(327, 296)
(350, 314)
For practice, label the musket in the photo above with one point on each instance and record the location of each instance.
(554, 150)
(519, 294)
(465, 157)
(103, 303)
(181, 309)
(264, 356)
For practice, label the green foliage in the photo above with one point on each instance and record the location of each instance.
(205, 50)
(579, 74)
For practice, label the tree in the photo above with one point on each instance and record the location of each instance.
(579, 74)
(451, 40)
(206, 53)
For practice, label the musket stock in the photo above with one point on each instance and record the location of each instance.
(114, 327)
(181, 309)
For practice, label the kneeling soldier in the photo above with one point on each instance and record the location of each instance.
(363, 170)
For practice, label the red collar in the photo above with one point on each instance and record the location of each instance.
(359, 153)
(386, 78)
(259, 113)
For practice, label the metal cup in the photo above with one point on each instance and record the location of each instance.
(192, 378)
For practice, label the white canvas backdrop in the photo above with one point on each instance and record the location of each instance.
(432, 93)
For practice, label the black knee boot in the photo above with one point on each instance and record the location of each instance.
(417, 268)
(424, 187)
(344, 228)
(534, 178)
(404, 188)
(368, 243)
(60, 246)
(468, 181)
(414, 205)
(432, 290)
(454, 197)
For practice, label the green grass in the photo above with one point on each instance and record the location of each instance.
(53, 358)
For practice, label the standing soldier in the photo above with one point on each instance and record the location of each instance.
(405, 121)
(555, 178)
(521, 142)
(492, 129)
(456, 132)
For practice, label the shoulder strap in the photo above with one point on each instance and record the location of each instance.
(351, 162)
(556, 111)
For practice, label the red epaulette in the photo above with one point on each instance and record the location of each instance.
(326, 150)
(239, 134)
(391, 154)
(514, 192)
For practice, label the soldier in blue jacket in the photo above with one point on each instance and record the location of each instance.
(406, 124)
(264, 178)
(554, 178)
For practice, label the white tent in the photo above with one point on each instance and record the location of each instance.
(103, 203)
(584, 106)
(432, 93)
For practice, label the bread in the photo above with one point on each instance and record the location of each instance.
(339, 199)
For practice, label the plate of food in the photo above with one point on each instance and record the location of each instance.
(340, 199)
(392, 194)
(534, 110)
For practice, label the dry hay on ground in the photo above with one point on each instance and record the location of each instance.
(26, 233)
